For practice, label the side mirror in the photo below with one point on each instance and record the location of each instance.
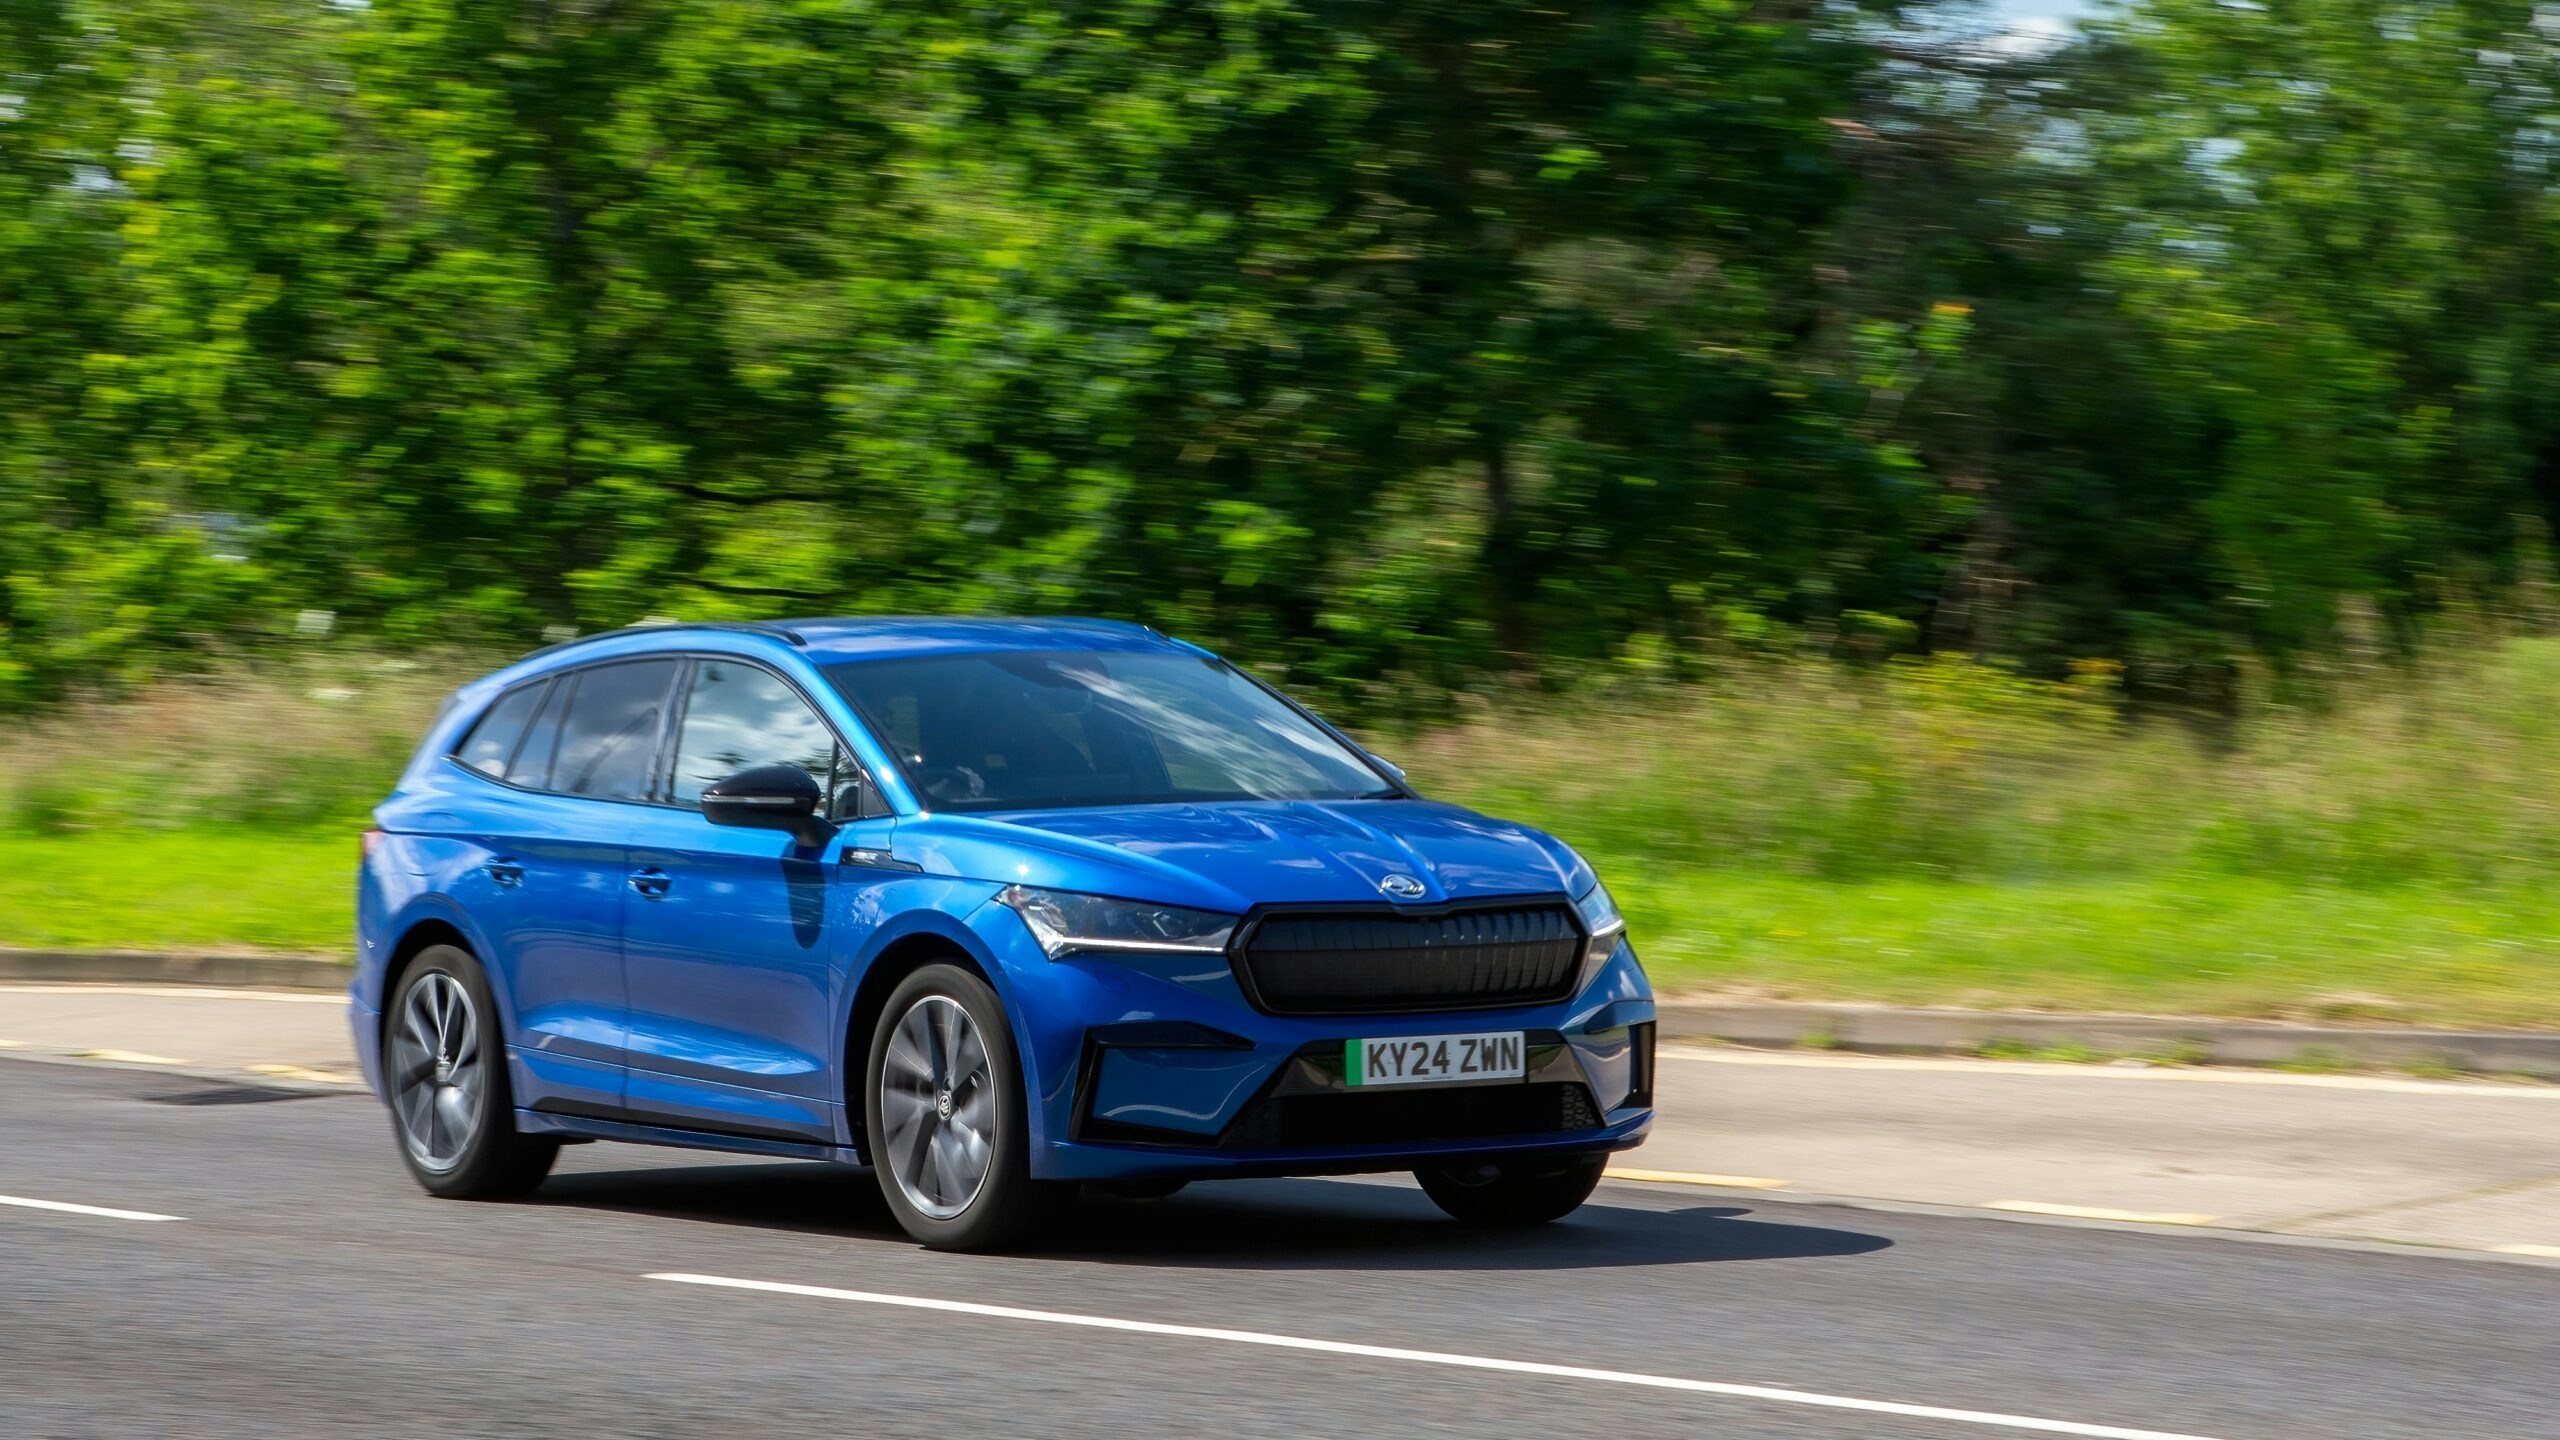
(1383, 763)
(770, 797)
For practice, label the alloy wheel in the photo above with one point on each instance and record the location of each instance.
(436, 1072)
(937, 1108)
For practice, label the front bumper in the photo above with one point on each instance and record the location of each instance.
(365, 1024)
(1137, 1114)
(1087, 1161)
(1140, 1071)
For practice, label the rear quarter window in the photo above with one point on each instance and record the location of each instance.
(492, 742)
(532, 766)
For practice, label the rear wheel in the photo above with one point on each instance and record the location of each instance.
(943, 1114)
(445, 1070)
(1513, 1192)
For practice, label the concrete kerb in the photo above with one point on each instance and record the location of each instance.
(1873, 1029)
(138, 967)
(1890, 1029)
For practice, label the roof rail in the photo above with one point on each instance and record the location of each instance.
(783, 633)
(1090, 620)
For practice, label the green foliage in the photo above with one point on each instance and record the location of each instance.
(1389, 344)
(1405, 349)
(304, 739)
(1949, 769)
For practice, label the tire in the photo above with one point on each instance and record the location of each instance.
(1519, 1193)
(444, 1069)
(945, 1123)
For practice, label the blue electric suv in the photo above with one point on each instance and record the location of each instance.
(997, 908)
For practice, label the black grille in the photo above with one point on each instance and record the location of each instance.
(1360, 962)
(1370, 1117)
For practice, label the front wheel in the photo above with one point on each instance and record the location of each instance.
(445, 1071)
(943, 1114)
(1513, 1193)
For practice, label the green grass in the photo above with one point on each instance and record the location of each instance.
(2201, 946)
(1926, 831)
(193, 889)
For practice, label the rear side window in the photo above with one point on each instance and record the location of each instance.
(609, 739)
(532, 767)
(739, 716)
(492, 742)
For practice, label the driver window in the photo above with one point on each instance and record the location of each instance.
(739, 716)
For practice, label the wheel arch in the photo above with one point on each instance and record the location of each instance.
(894, 962)
(423, 934)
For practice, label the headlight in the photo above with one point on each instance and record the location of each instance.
(1066, 923)
(1600, 915)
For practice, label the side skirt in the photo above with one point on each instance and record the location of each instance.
(587, 1127)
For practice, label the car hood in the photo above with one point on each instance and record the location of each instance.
(1235, 855)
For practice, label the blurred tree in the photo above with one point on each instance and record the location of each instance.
(1429, 335)
(2340, 228)
(2263, 296)
(1400, 346)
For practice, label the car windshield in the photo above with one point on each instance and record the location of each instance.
(1044, 728)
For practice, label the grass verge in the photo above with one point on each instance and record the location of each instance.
(192, 889)
(1926, 831)
(2206, 945)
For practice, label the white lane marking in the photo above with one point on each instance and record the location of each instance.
(2539, 1252)
(1436, 1357)
(1687, 1177)
(2172, 1074)
(2099, 1212)
(182, 992)
(68, 1208)
(128, 1057)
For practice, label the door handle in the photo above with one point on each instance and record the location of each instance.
(652, 882)
(506, 871)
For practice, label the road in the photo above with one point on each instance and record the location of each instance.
(307, 1288)
(2365, 1157)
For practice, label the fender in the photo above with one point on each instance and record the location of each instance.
(436, 905)
(926, 905)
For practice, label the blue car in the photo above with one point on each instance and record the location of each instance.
(1004, 910)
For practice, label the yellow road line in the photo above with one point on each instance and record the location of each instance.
(129, 1057)
(1685, 1177)
(13, 1044)
(2540, 1252)
(2097, 1212)
(304, 1073)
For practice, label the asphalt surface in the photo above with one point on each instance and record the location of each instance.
(2372, 1157)
(310, 1289)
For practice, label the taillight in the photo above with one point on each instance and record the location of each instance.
(372, 838)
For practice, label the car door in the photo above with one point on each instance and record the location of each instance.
(552, 863)
(735, 941)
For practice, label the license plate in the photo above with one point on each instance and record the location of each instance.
(1434, 1059)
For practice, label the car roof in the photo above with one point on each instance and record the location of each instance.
(835, 639)
(828, 641)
